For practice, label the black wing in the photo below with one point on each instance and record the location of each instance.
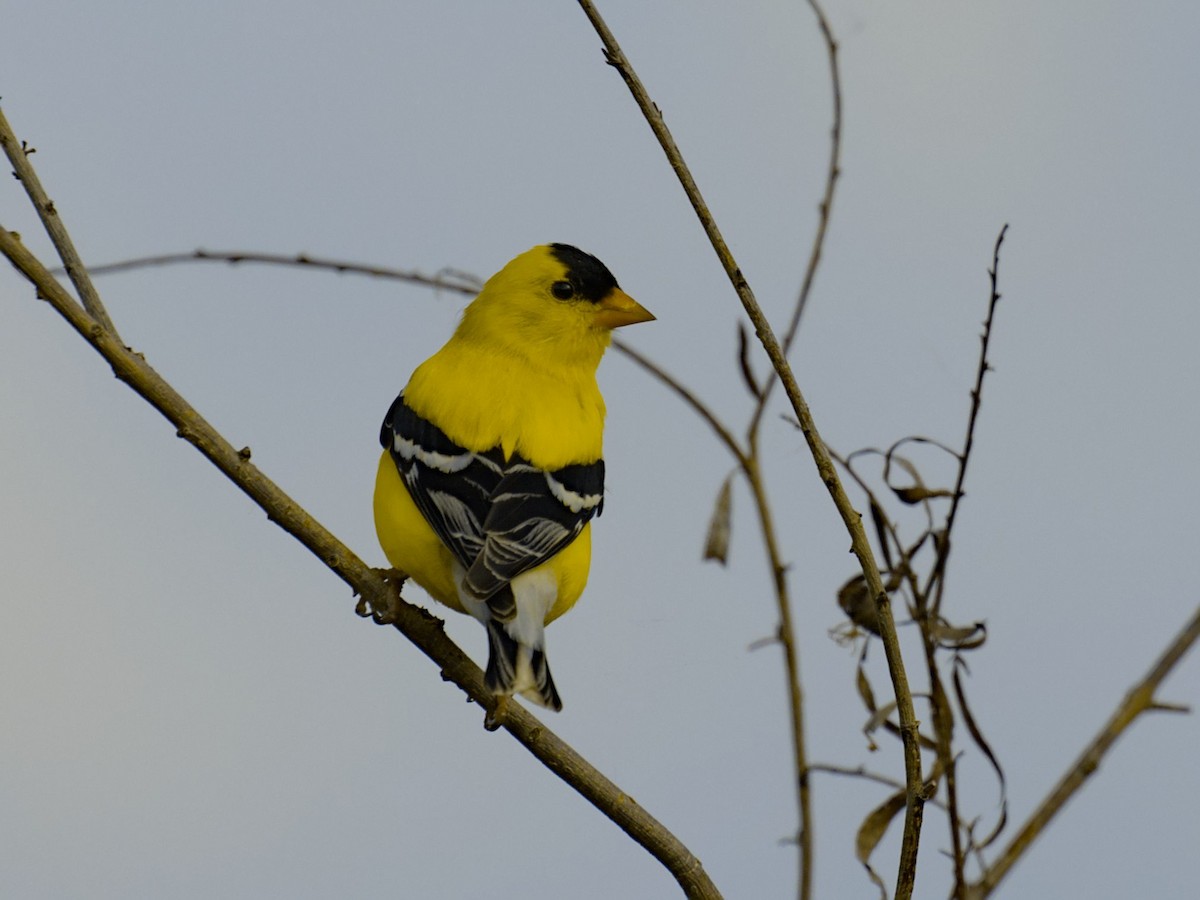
(534, 514)
(499, 518)
(451, 486)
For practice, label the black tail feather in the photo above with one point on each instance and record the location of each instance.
(501, 672)
(503, 604)
(547, 692)
(504, 655)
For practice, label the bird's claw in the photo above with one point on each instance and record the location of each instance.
(497, 714)
(383, 616)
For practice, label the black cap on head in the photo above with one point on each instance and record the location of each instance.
(590, 277)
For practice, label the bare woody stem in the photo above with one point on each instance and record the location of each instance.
(792, 666)
(1138, 700)
(748, 464)
(831, 177)
(724, 435)
(860, 545)
(456, 283)
(825, 209)
(937, 577)
(616, 58)
(424, 630)
(930, 612)
(18, 155)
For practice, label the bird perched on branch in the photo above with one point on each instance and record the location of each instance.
(491, 470)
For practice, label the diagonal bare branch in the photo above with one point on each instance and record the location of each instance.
(18, 154)
(860, 545)
(455, 282)
(1139, 699)
(698, 406)
(824, 210)
(420, 627)
(937, 577)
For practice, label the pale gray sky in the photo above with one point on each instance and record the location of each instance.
(188, 705)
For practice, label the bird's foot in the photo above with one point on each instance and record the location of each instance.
(498, 713)
(383, 614)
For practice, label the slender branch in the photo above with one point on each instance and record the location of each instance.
(463, 284)
(867, 775)
(831, 177)
(1138, 700)
(927, 602)
(748, 464)
(825, 209)
(941, 713)
(791, 661)
(937, 576)
(943, 733)
(423, 629)
(457, 283)
(930, 612)
(616, 58)
(860, 545)
(745, 463)
(856, 772)
(698, 406)
(18, 154)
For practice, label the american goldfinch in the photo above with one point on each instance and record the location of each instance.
(491, 469)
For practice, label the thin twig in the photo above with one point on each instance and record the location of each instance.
(460, 284)
(463, 285)
(937, 576)
(1138, 700)
(18, 154)
(791, 661)
(831, 177)
(852, 520)
(943, 733)
(748, 465)
(825, 210)
(424, 630)
(867, 775)
(698, 406)
(929, 613)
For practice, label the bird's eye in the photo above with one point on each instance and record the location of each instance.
(563, 290)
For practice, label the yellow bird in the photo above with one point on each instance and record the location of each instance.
(491, 469)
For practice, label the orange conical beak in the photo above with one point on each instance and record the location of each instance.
(618, 309)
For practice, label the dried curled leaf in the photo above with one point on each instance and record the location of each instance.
(865, 692)
(748, 376)
(871, 832)
(966, 637)
(716, 544)
(917, 493)
(913, 493)
(985, 748)
(857, 603)
(878, 720)
(880, 521)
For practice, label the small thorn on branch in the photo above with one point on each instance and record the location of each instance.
(762, 642)
(1156, 706)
